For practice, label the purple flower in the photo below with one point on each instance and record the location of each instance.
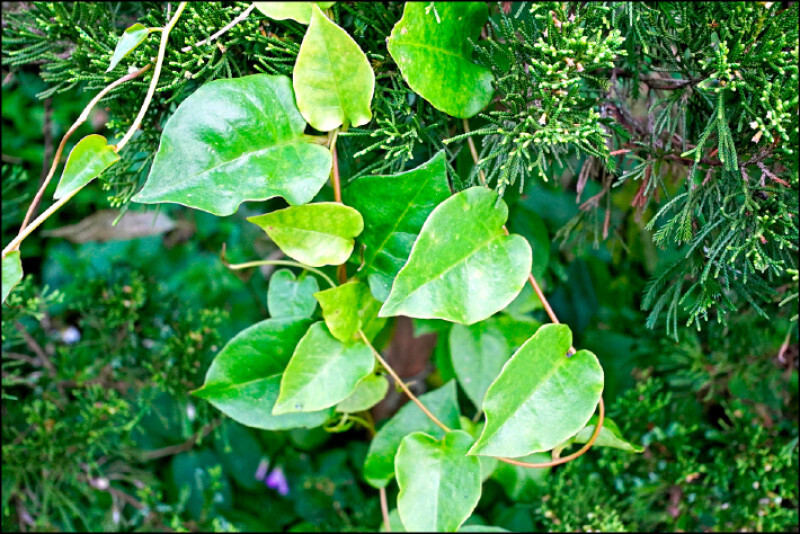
(261, 470)
(277, 481)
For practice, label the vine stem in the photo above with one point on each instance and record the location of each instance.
(385, 510)
(341, 270)
(287, 263)
(156, 74)
(80, 120)
(402, 384)
(225, 28)
(14, 244)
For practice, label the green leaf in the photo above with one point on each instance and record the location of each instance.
(529, 225)
(481, 528)
(395, 524)
(90, 157)
(433, 50)
(522, 484)
(610, 436)
(322, 372)
(392, 224)
(298, 11)
(439, 484)
(488, 463)
(379, 464)
(316, 234)
(12, 272)
(347, 308)
(369, 392)
(541, 397)
(235, 140)
(289, 297)
(462, 268)
(332, 78)
(244, 378)
(478, 353)
(130, 39)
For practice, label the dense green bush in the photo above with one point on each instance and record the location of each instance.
(647, 153)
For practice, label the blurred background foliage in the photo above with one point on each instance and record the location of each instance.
(103, 340)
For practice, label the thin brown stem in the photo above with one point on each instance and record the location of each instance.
(402, 384)
(181, 447)
(474, 153)
(565, 459)
(225, 28)
(80, 120)
(335, 181)
(385, 510)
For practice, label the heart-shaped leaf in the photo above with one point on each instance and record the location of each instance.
(12, 272)
(128, 41)
(610, 436)
(289, 297)
(316, 234)
(431, 45)
(439, 484)
(90, 157)
(462, 268)
(347, 308)
(236, 140)
(298, 11)
(369, 392)
(478, 353)
(541, 397)
(332, 78)
(244, 378)
(322, 372)
(394, 209)
(379, 464)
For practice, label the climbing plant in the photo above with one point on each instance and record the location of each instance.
(432, 243)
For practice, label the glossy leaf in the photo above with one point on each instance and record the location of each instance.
(128, 41)
(482, 528)
(369, 392)
(347, 308)
(610, 436)
(12, 272)
(431, 45)
(488, 463)
(90, 157)
(298, 11)
(541, 397)
(478, 352)
(322, 372)
(394, 209)
(462, 268)
(316, 234)
(439, 484)
(379, 464)
(332, 78)
(244, 378)
(235, 140)
(289, 297)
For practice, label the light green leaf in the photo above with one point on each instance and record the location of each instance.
(395, 525)
(478, 353)
(316, 234)
(522, 484)
(332, 78)
(347, 308)
(379, 464)
(322, 372)
(127, 43)
(90, 157)
(244, 378)
(12, 272)
(298, 11)
(235, 140)
(369, 392)
(488, 463)
(610, 436)
(289, 297)
(462, 268)
(481, 528)
(433, 50)
(439, 484)
(553, 402)
(394, 209)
